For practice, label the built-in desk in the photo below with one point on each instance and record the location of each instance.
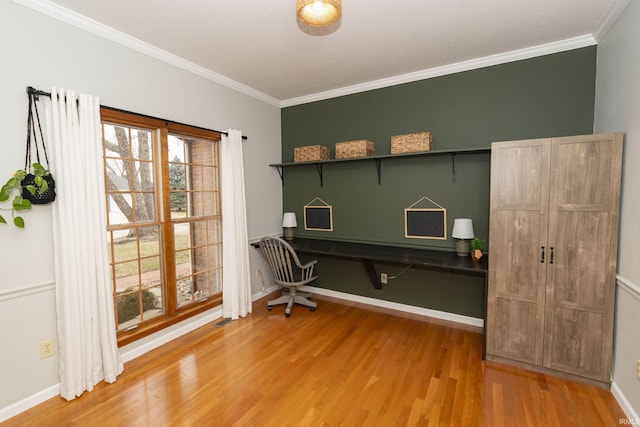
(417, 258)
(369, 253)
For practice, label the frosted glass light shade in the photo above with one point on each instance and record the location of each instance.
(289, 219)
(319, 12)
(462, 228)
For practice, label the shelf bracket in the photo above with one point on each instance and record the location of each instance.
(379, 169)
(280, 170)
(319, 168)
(453, 168)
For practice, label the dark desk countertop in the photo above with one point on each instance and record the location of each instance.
(427, 258)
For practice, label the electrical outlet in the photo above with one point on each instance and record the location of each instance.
(258, 272)
(47, 349)
(383, 278)
(638, 369)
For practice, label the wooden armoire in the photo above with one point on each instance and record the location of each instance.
(552, 253)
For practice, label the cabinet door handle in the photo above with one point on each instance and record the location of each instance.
(551, 259)
(542, 255)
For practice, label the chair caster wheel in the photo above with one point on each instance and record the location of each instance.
(269, 308)
(287, 314)
(312, 309)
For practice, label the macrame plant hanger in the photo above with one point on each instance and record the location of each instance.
(38, 186)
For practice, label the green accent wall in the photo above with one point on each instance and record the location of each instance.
(547, 96)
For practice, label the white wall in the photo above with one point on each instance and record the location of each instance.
(38, 50)
(618, 109)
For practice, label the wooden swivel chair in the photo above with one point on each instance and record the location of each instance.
(288, 272)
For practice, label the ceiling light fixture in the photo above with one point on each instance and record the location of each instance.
(319, 14)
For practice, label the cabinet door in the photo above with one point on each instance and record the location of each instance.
(518, 229)
(583, 232)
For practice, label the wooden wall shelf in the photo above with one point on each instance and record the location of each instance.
(280, 167)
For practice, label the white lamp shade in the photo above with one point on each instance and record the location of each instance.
(462, 228)
(289, 219)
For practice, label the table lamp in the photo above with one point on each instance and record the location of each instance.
(289, 224)
(462, 230)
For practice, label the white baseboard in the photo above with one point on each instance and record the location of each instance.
(29, 402)
(624, 403)
(451, 317)
(264, 292)
(162, 337)
(154, 341)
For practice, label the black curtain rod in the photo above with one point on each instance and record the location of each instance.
(36, 93)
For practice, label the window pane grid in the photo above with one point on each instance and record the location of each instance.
(133, 229)
(137, 274)
(145, 285)
(195, 279)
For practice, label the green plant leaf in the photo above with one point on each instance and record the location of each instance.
(39, 170)
(21, 204)
(5, 193)
(31, 189)
(8, 188)
(19, 176)
(2, 220)
(44, 186)
(18, 221)
(38, 180)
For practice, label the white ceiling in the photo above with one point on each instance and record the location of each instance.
(258, 45)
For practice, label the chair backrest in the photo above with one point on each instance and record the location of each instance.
(284, 262)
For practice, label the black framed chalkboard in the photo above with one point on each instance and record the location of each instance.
(425, 223)
(318, 218)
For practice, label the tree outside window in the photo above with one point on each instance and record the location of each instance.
(164, 221)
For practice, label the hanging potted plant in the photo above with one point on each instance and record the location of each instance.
(29, 186)
(27, 189)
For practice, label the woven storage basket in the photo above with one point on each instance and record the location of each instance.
(310, 153)
(411, 143)
(359, 148)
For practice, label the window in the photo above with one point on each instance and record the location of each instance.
(164, 223)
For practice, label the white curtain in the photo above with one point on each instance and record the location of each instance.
(236, 283)
(87, 343)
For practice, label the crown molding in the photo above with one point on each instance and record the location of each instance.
(487, 61)
(614, 12)
(101, 30)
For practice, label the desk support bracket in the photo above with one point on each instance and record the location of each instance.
(372, 273)
(280, 170)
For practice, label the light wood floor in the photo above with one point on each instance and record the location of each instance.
(342, 365)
